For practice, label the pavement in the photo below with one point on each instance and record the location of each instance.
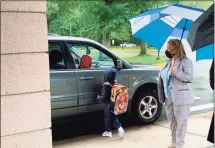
(156, 135)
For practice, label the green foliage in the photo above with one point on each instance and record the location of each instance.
(100, 21)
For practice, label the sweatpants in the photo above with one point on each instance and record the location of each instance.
(109, 118)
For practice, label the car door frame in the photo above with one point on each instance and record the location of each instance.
(59, 104)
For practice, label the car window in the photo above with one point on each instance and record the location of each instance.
(99, 59)
(56, 59)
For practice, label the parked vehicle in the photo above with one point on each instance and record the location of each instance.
(127, 44)
(74, 91)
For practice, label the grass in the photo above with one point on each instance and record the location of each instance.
(134, 57)
(131, 54)
(147, 59)
(118, 48)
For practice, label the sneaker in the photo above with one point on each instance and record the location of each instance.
(107, 134)
(121, 132)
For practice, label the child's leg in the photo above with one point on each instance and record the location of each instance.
(117, 125)
(107, 118)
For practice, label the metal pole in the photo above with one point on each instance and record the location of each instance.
(184, 29)
(183, 33)
(158, 58)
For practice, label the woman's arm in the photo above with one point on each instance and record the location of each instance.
(186, 74)
(160, 88)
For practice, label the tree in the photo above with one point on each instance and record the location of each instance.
(104, 21)
(97, 20)
(63, 16)
(143, 48)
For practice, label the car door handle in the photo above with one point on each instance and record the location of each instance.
(86, 78)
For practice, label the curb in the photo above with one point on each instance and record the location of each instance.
(160, 64)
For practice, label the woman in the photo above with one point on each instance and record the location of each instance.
(175, 92)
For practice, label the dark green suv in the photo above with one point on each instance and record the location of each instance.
(74, 90)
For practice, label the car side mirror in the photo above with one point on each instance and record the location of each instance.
(119, 64)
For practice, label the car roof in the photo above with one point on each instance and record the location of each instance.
(81, 39)
(69, 38)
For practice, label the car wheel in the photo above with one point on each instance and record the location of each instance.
(134, 46)
(146, 108)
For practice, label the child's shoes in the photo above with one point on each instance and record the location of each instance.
(107, 134)
(121, 132)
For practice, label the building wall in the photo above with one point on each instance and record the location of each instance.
(25, 85)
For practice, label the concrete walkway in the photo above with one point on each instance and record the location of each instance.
(151, 136)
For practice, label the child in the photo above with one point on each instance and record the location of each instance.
(109, 116)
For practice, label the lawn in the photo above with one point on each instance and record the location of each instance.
(118, 48)
(147, 59)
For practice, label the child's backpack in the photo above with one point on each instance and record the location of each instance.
(119, 96)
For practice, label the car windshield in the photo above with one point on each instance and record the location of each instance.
(74, 51)
(78, 50)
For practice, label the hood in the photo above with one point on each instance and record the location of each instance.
(110, 75)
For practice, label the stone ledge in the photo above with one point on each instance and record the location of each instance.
(23, 73)
(23, 32)
(36, 139)
(24, 113)
(23, 6)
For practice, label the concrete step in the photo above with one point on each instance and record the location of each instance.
(201, 105)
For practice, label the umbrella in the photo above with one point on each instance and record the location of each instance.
(156, 25)
(201, 36)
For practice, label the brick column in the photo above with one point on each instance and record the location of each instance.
(25, 85)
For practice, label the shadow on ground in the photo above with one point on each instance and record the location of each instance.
(72, 128)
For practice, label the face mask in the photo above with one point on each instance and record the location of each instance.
(168, 54)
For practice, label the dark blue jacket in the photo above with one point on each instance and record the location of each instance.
(109, 79)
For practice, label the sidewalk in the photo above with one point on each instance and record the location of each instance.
(150, 136)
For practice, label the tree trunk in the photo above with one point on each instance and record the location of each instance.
(106, 40)
(143, 48)
(100, 39)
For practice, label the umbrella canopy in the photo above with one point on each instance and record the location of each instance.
(201, 36)
(202, 31)
(156, 25)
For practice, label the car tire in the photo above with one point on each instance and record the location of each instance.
(144, 112)
(134, 46)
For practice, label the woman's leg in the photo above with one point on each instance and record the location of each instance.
(171, 118)
(181, 114)
(211, 131)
